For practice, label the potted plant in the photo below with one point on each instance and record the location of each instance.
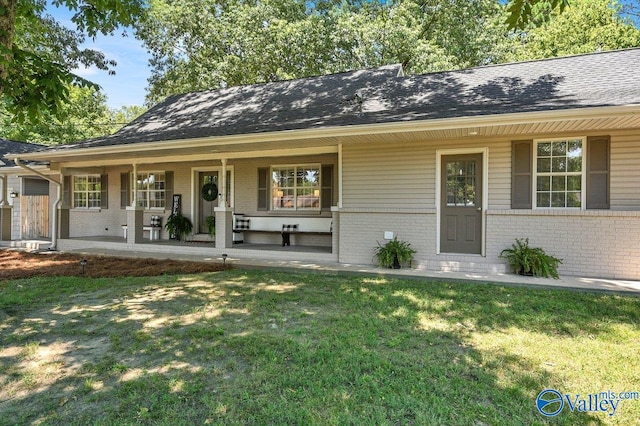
(531, 261)
(210, 221)
(178, 225)
(393, 253)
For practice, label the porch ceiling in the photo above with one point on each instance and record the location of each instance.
(304, 142)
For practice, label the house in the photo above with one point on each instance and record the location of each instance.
(459, 164)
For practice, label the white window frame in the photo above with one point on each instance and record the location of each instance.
(86, 192)
(295, 167)
(143, 197)
(583, 173)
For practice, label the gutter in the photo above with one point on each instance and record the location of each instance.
(56, 205)
(346, 131)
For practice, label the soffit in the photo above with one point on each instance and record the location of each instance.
(213, 149)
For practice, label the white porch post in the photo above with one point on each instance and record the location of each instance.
(134, 213)
(340, 176)
(5, 191)
(5, 212)
(224, 214)
(134, 188)
(223, 182)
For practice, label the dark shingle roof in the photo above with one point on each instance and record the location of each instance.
(15, 147)
(380, 96)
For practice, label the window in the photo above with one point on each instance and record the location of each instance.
(295, 187)
(559, 167)
(561, 173)
(150, 190)
(87, 192)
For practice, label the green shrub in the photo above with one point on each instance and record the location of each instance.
(392, 250)
(527, 260)
(178, 225)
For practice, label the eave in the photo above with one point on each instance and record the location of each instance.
(326, 139)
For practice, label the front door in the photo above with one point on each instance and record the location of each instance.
(208, 189)
(461, 204)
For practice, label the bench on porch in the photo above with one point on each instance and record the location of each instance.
(154, 228)
(284, 225)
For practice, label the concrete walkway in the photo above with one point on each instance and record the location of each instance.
(585, 284)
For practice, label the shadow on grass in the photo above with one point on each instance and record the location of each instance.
(274, 348)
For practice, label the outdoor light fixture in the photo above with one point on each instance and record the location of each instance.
(13, 194)
(224, 258)
(83, 263)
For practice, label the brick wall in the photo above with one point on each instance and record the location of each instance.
(590, 243)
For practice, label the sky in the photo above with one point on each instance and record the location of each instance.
(127, 86)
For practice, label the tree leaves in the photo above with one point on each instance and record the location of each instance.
(205, 44)
(523, 12)
(38, 54)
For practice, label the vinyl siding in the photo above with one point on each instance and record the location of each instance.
(383, 175)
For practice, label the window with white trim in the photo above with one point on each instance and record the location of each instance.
(150, 189)
(559, 173)
(295, 187)
(87, 192)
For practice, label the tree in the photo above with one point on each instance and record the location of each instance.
(587, 26)
(38, 54)
(85, 115)
(199, 45)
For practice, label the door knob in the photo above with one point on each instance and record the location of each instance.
(479, 209)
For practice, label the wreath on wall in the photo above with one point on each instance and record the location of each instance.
(209, 191)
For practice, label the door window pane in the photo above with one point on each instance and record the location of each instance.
(461, 183)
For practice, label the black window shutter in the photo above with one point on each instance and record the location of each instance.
(326, 194)
(67, 181)
(598, 172)
(168, 190)
(521, 174)
(263, 186)
(125, 191)
(104, 191)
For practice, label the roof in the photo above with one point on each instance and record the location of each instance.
(15, 147)
(380, 95)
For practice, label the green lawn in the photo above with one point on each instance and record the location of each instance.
(267, 348)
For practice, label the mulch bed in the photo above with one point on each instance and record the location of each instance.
(15, 264)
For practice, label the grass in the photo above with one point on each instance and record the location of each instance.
(267, 347)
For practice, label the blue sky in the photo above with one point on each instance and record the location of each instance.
(127, 86)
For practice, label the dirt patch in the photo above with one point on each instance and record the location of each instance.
(16, 264)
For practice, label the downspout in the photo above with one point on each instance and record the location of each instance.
(56, 205)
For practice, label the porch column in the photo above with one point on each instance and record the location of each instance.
(335, 232)
(224, 224)
(65, 205)
(134, 214)
(5, 212)
(223, 183)
(3, 194)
